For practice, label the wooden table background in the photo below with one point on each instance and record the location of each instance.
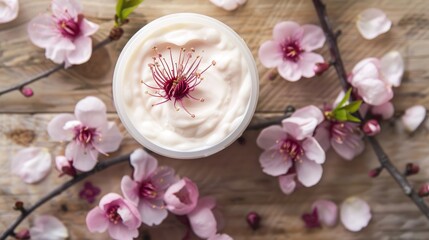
(233, 176)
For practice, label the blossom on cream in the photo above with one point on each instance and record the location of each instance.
(413, 117)
(228, 5)
(181, 197)
(65, 34)
(116, 215)
(31, 164)
(291, 150)
(8, 10)
(147, 187)
(355, 214)
(89, 132)
(291, 50)
(48, 227)
(373, 22)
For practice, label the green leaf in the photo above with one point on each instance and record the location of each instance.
(119, 5)
(352, 118)
(340, 114)
(345, 99)
(124, 8)
(353, 106)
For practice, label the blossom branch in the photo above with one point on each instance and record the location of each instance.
(381, 155)
(27, 211)
(43, 75)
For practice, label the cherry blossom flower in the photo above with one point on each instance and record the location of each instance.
(291, 150)
(181, 197)
(228, 5)
(8, 10)
(355, 214)
(116, 215)
(147, 187)
(327, 212)
(89, 132)
(48, 227)
(65, 166)
(89, 192)
(31, 164)
(373, 22)
(65, 34)
(291, 50)
(373, 78)
(413, 117)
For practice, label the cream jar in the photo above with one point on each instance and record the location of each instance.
(185, 86)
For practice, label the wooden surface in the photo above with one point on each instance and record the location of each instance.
(241, 187)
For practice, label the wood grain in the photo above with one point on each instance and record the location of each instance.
(242, 187)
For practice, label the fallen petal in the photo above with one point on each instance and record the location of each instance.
(228, 5)
(392, 67)
(8, 10)
(373, 22)
(413, 117)
(31, 164)
(48, 227)
(355, 214)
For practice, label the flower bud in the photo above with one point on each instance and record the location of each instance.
(26, 91)
(424, 190)
(24, 234)
(181, 197)
(320, 68)
(411, 169)
(371, 127)
(254, 220)
(375, 172)
(19, 206)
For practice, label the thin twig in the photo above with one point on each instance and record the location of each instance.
(99, 167)
(381, 155)
(48, 72)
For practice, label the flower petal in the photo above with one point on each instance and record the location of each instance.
(287, 183)
(58, 51)
(322, 135)
(299, 128)
(107, 199)
(82, 51)
(31, 164)
(351, 146)
(228, 5)
(308, 62)
(327, 212)
(313, 38)
(290, 71)
(220, 237)
(48, 227)
(269, 136)
(373, 22)
(364, 69)
(182, 197)
(130, 189)
(119, 231)
(313, 151)
(56, 127)
(88, 28)
(163, 177)
(69, 7)
(151, 215)
(96, 220)
(91, 111)
(355, 214)
(308, 172)
(143, 163)
(374, 91)
(110, 140)
(310, 111)
(385, 110)
(413, 117)
(203, 222)
(270, 54)
(392, 67)
(42, 31)
(84, 159)
(8, 10)
(287, 30)
(274, 163)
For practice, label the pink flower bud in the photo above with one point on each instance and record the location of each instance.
(24, 234)
(411, 169)
(320, 68)
(19, 206)
(371, 127)
(26, 91)
(181, 197)
(375, 172)
(254, 220)
(424, 190)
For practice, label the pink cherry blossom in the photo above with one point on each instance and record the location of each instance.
(65, 166)
(89, 132)
(327, 212)
(181, 197)
(291, 50)
(355, 214)
(8, 10)
(48, 227)
(385, 110)
(116, 215)
(65, 34)
(147, 187)
(291, 149)
(373, 78)
(203, 221)
(413, 117)
(31, 164)
(228, 5)
(372, 22)
(220, 237)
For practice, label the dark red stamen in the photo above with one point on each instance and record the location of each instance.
(148, 190)
(291, 51)
(113, 215)
(292, 149)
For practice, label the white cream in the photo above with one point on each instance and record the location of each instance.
(226, 88)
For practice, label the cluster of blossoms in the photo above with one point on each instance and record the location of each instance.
(149, 195)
